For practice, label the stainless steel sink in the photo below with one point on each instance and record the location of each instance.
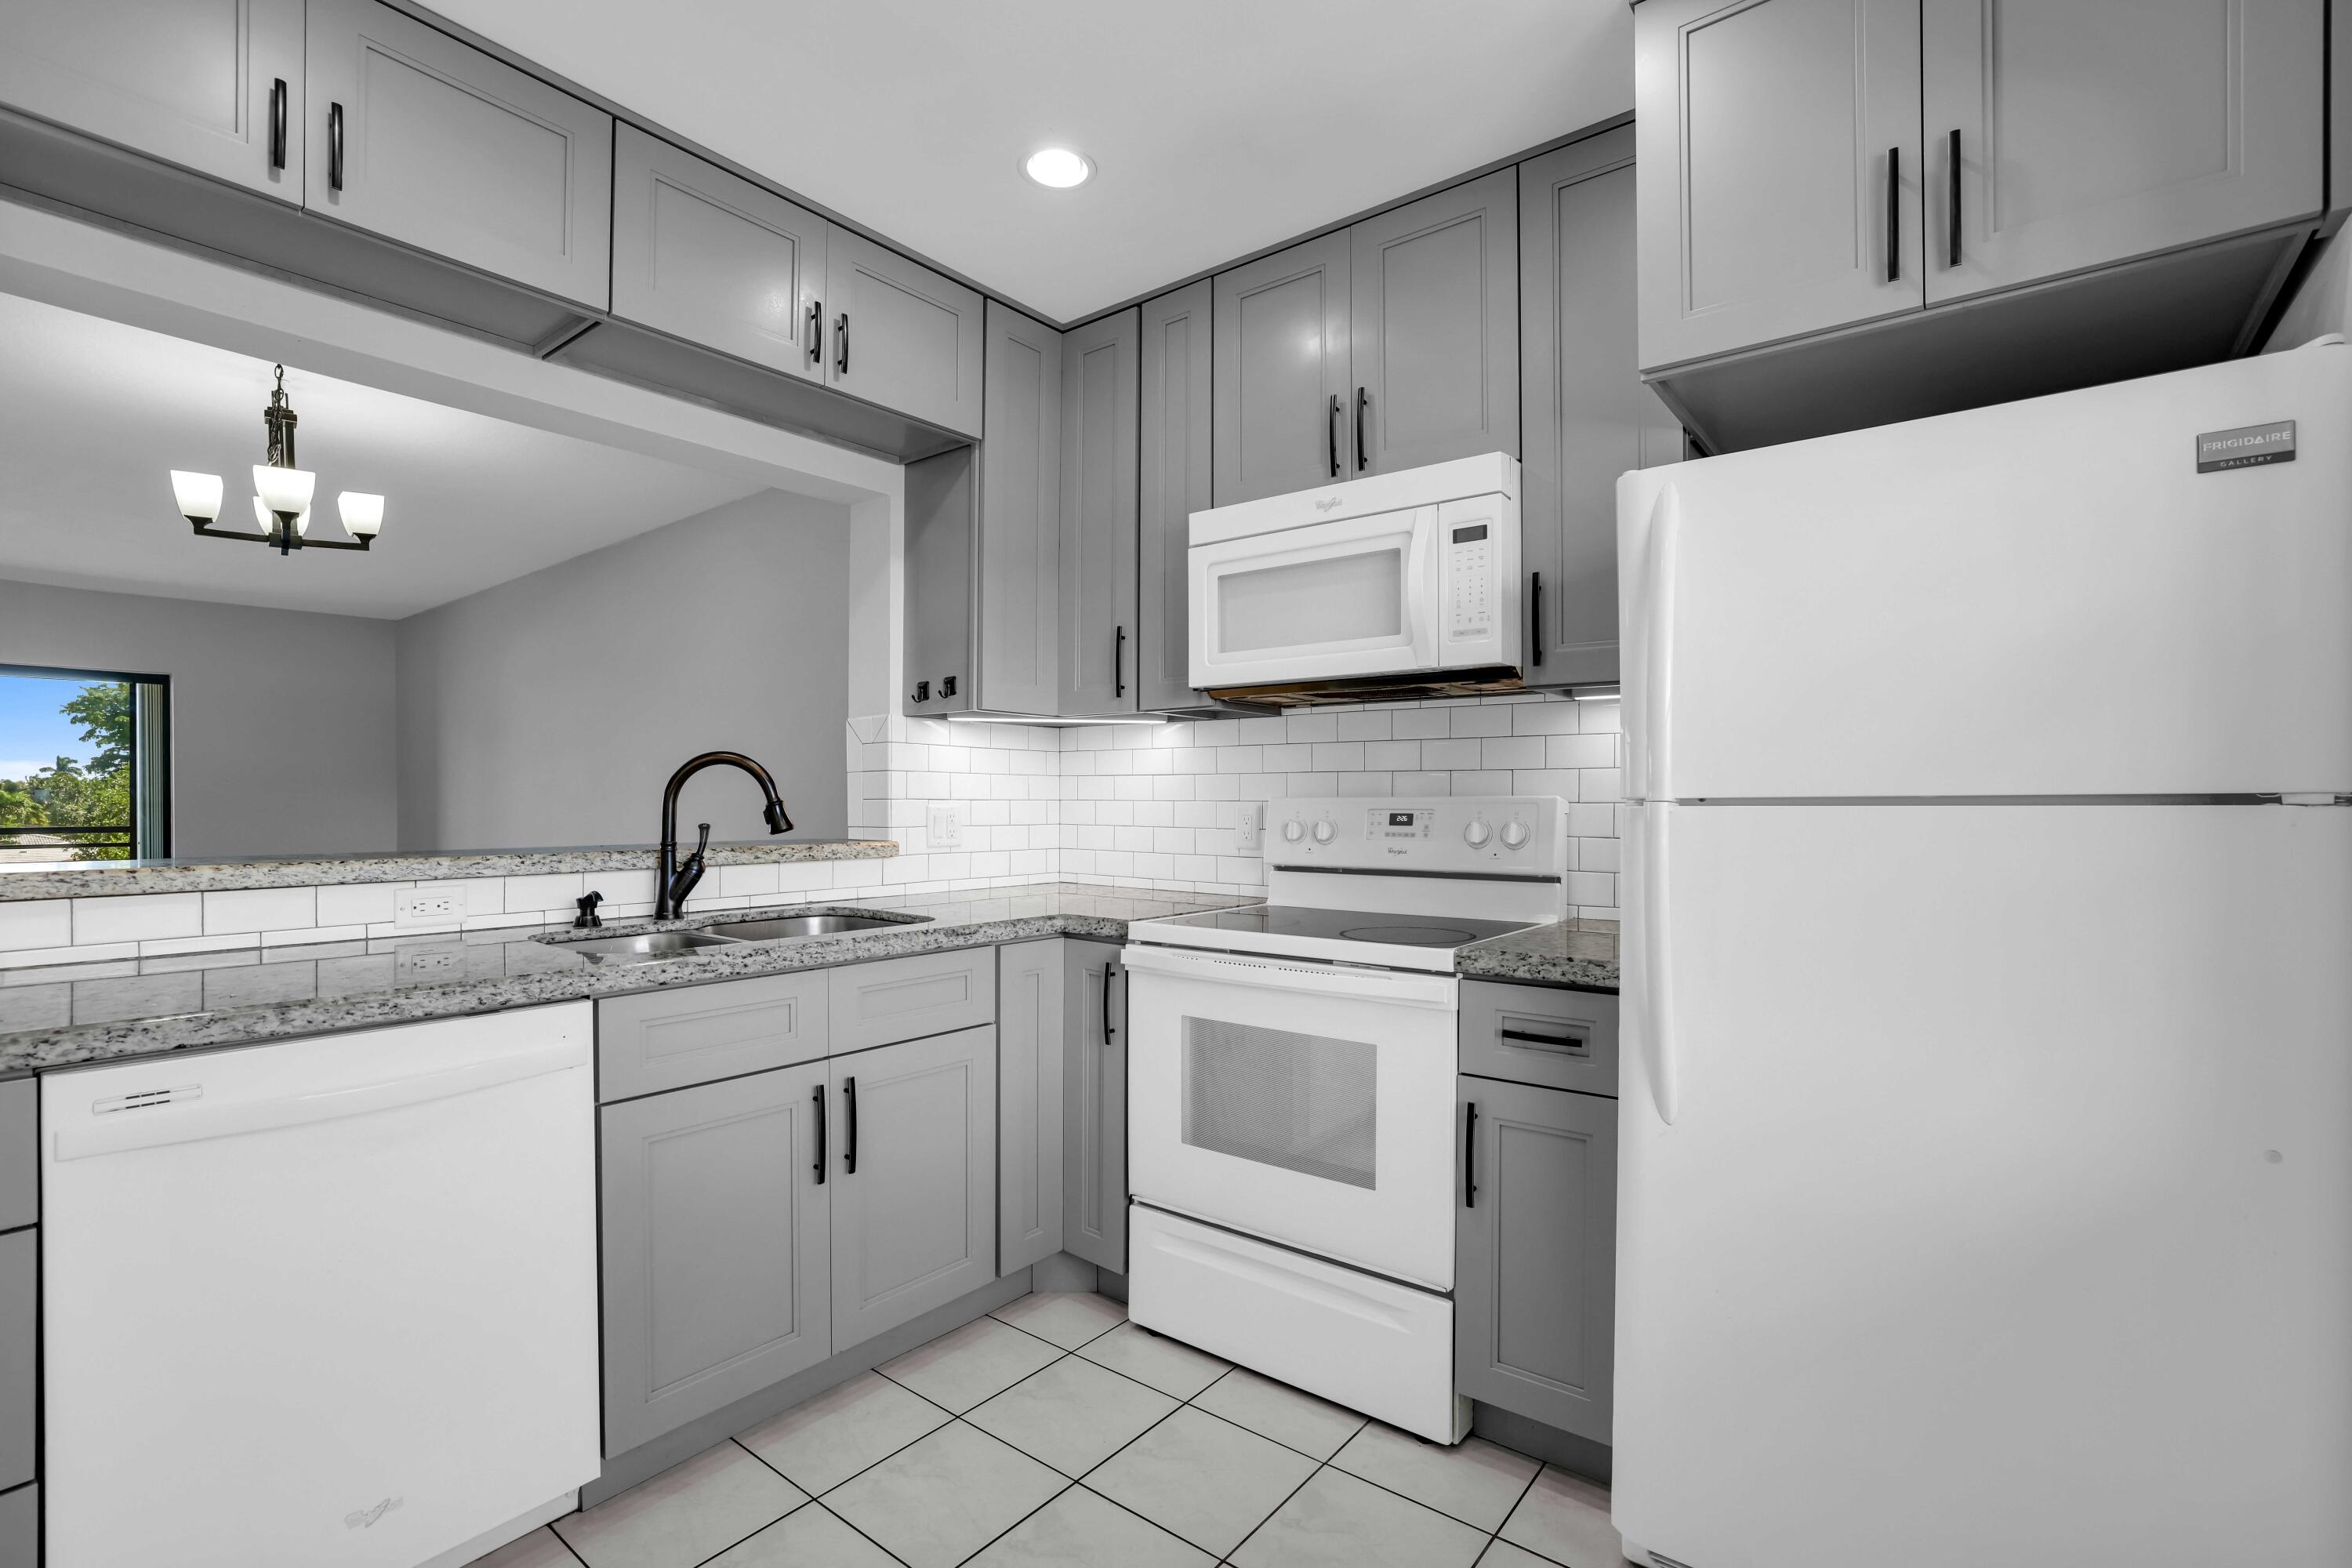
(786, 927)
(644, 947)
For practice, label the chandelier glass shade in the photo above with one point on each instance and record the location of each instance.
(282, 495)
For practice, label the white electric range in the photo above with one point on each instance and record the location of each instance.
(1291, 1145)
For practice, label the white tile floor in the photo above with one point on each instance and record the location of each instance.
(1054, 1433)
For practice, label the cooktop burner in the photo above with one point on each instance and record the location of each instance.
(1344, 925)
(1412, 936)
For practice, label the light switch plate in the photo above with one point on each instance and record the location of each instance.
(946, 828)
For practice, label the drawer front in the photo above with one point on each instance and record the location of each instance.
(906, 999)
(1537, 1034)
(20, 1152)
(668, 1039)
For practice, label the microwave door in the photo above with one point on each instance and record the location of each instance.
(1323, 602)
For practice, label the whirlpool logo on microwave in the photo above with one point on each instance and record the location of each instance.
(2247, 446)
(365, 1518)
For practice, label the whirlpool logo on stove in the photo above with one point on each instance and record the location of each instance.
(362, 1518)
(2247, 446)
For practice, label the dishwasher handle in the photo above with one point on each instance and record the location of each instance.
(122, 1132)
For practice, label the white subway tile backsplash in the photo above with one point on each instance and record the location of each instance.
(1419, 724)
(1511, 751)
(1481, 721)
(1449, 754)
(137, 917)
(36, 923)
(362, 903)
(560, 890)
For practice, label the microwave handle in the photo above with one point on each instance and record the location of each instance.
(1422, 605)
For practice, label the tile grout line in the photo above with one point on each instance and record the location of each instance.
(810, 1498)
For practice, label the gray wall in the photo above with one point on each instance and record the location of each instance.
(552, 709)
(282, 720)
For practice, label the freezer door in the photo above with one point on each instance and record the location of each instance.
(2006, 1212)
(2043, 598)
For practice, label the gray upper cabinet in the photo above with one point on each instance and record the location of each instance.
(1173, 456)
(716, 259)
(1588, 417)
(913, 1179)
(2099, 130)
(1029, 1091)
(1774, 136)
(419, 138)
(1094, 1115)
(942, 514)
(901, 335)
(1098, 511)
(1019, 517)
(1281, 370)
(716, 1248)
(1535, 1254)
(217, 88)
(1433, 336)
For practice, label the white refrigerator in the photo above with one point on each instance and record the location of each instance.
(1985, 1182)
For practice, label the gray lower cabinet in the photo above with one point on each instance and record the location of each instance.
(1588, 415)
(217, 88)
(419, 138)
(913, 1179)
(20, 1152)
(716, 1256)
(901, 335)
(1093, 1123)
(20, 1311)
(20, 1528)
(901, 998)
(1433, 339)
(716, 259)
(1173, 463)
(1535, 1256)
(1100, 429)
(1019, 519)
(1029, 1096)
(1281, 373)
(658, 1040)
(2092, 132)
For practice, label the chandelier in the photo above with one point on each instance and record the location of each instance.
(281, 502)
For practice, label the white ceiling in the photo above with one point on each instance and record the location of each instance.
(1219, 127)
(94, 415)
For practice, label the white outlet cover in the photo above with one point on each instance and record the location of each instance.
(946, 828)
(1246, 830)
(424, 906)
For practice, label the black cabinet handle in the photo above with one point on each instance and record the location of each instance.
(1107, 1028)
(1363, 454)
(1527, 1037)
(820, 1134)
(1469, 1147)
(1118, 664)
(1893, 214)
(334, 146)
(1534, 616)
(817, 331)
(840, 345)
(1331, 429)
(1954, 219)
(849, 1099)
(277, 123)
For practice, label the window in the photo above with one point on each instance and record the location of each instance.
(84, 757)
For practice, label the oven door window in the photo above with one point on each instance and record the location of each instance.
(1305, 1102)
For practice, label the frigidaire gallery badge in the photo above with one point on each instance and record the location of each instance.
(2246, 446)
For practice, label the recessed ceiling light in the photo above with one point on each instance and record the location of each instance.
(1058, 167)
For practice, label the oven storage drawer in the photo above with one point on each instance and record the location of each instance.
(1364, 1341)
(1541, 1035)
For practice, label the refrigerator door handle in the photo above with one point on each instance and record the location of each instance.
(1649, 1023)
(1648, 747)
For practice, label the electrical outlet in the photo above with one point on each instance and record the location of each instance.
(947, 827)
(427, 906)
(1245, 831)
(420, 961)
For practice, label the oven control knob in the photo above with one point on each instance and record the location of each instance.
(1294, 830)
(1325, 833)
(1476, 834)
(1515, 835)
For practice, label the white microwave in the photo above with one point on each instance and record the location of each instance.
(1412, 576)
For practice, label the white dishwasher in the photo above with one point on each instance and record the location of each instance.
(321, 1303)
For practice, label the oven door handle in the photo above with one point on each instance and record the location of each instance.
(1395, 988)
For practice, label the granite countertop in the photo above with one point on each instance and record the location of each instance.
(1582, 953)
(61, 1015)
(106, 879)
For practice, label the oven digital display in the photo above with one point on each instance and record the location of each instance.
(1400, 819)
(1402, 823)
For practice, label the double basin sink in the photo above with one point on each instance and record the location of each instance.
(647, 947)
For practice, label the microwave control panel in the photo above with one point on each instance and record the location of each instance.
(1470, 581)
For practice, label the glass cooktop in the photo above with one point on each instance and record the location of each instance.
(1346, 925)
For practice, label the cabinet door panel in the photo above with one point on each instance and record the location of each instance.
(449, 149)
(714, 259)
(901, 998)
(2108, 129)
(1098, 501)
(1021, 516)
(914, 1224)
(715, 1249)
(1029, 984)
(1535, 1269)
(1588, 417)
(901, 335)
(1434, 337)
(192, 84)
(1173, 456)
(1094, 1126)
(1765, 128)
(1281, 373)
